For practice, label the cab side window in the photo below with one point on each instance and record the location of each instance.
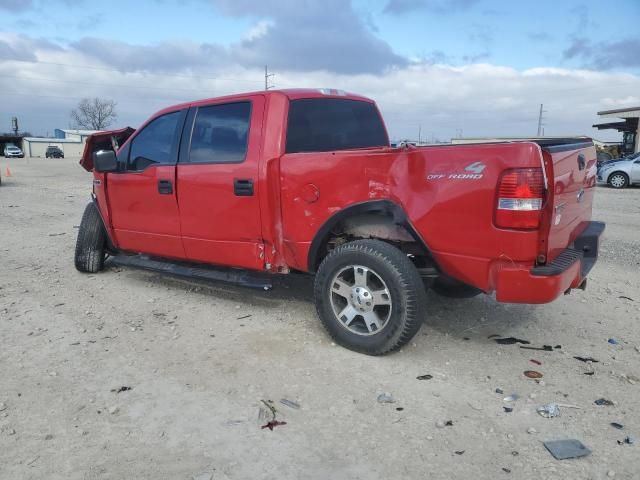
(156, 143)
(220, 133)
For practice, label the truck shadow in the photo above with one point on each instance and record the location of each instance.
(476, 318)
(471, 319)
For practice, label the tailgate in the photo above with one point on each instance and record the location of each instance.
(571, 171)
(107, 140)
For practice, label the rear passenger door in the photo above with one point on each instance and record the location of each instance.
(217, 179)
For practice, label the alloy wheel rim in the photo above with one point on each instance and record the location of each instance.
(360, 300)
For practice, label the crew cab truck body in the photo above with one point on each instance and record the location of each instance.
(306, 180)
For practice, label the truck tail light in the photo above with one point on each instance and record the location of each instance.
(521, 194)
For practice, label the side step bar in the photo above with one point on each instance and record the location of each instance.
(244, 278)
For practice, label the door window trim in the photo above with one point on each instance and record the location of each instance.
(175, 143)
(189, 125)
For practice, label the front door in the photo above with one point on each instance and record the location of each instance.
(218, 183)
(142, 195)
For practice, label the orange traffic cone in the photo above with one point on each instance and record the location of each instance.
(7, 173)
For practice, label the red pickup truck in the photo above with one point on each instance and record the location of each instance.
(306, 180)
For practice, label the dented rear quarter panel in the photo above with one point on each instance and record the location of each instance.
(451, 209)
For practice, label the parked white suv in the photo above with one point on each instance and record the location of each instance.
(621, 173)
(13, 151)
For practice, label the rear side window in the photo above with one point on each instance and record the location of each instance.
(325, 124)
(155, 143)
(220, 133)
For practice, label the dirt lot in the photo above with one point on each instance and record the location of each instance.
(200, 358)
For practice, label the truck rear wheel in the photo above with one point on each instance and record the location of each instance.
(89, 256)
(369, 296)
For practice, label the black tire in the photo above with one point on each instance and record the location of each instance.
(406, 291)
(623, 180)
(450, 288)
(89, 255)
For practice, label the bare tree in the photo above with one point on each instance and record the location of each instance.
(93, 114)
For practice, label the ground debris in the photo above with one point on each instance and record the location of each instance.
(549, 410)
(424, 377)
(604, 402)
(532, 374)
(290, 403)
(273, 423)
(627, 441)
(121, 389)
(511, 341)
(563, 449)
(587, 359)
(386, 398)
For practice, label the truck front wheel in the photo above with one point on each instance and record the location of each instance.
(369, 296)
(89, 256)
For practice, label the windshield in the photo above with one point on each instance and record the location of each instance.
(13, 148)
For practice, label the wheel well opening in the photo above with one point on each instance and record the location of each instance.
(379, 225)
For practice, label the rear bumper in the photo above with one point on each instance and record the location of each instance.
(544, 284)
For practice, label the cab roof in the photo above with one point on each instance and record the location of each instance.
(290, 93)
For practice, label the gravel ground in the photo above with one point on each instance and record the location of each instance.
(200, 358)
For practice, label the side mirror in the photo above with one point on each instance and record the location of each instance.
(105, 161)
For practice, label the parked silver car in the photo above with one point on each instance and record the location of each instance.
(11, 151)
(622, 172)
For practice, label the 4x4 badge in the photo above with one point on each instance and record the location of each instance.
(475, 167)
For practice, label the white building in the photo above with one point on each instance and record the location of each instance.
(71, 142)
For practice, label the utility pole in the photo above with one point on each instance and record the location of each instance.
(267, 75)
(540, 124)
(14, 125)
(419, 134)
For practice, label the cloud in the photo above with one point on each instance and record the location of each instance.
(310, 35)
(16, 5)
(293, 36)
(20, 47)
(162, 57)
(40, 82)
(399, 7)
(604, 55)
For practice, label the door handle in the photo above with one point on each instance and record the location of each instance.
(243, 187)
(165, 187)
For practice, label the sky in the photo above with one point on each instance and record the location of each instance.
(437, 68)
